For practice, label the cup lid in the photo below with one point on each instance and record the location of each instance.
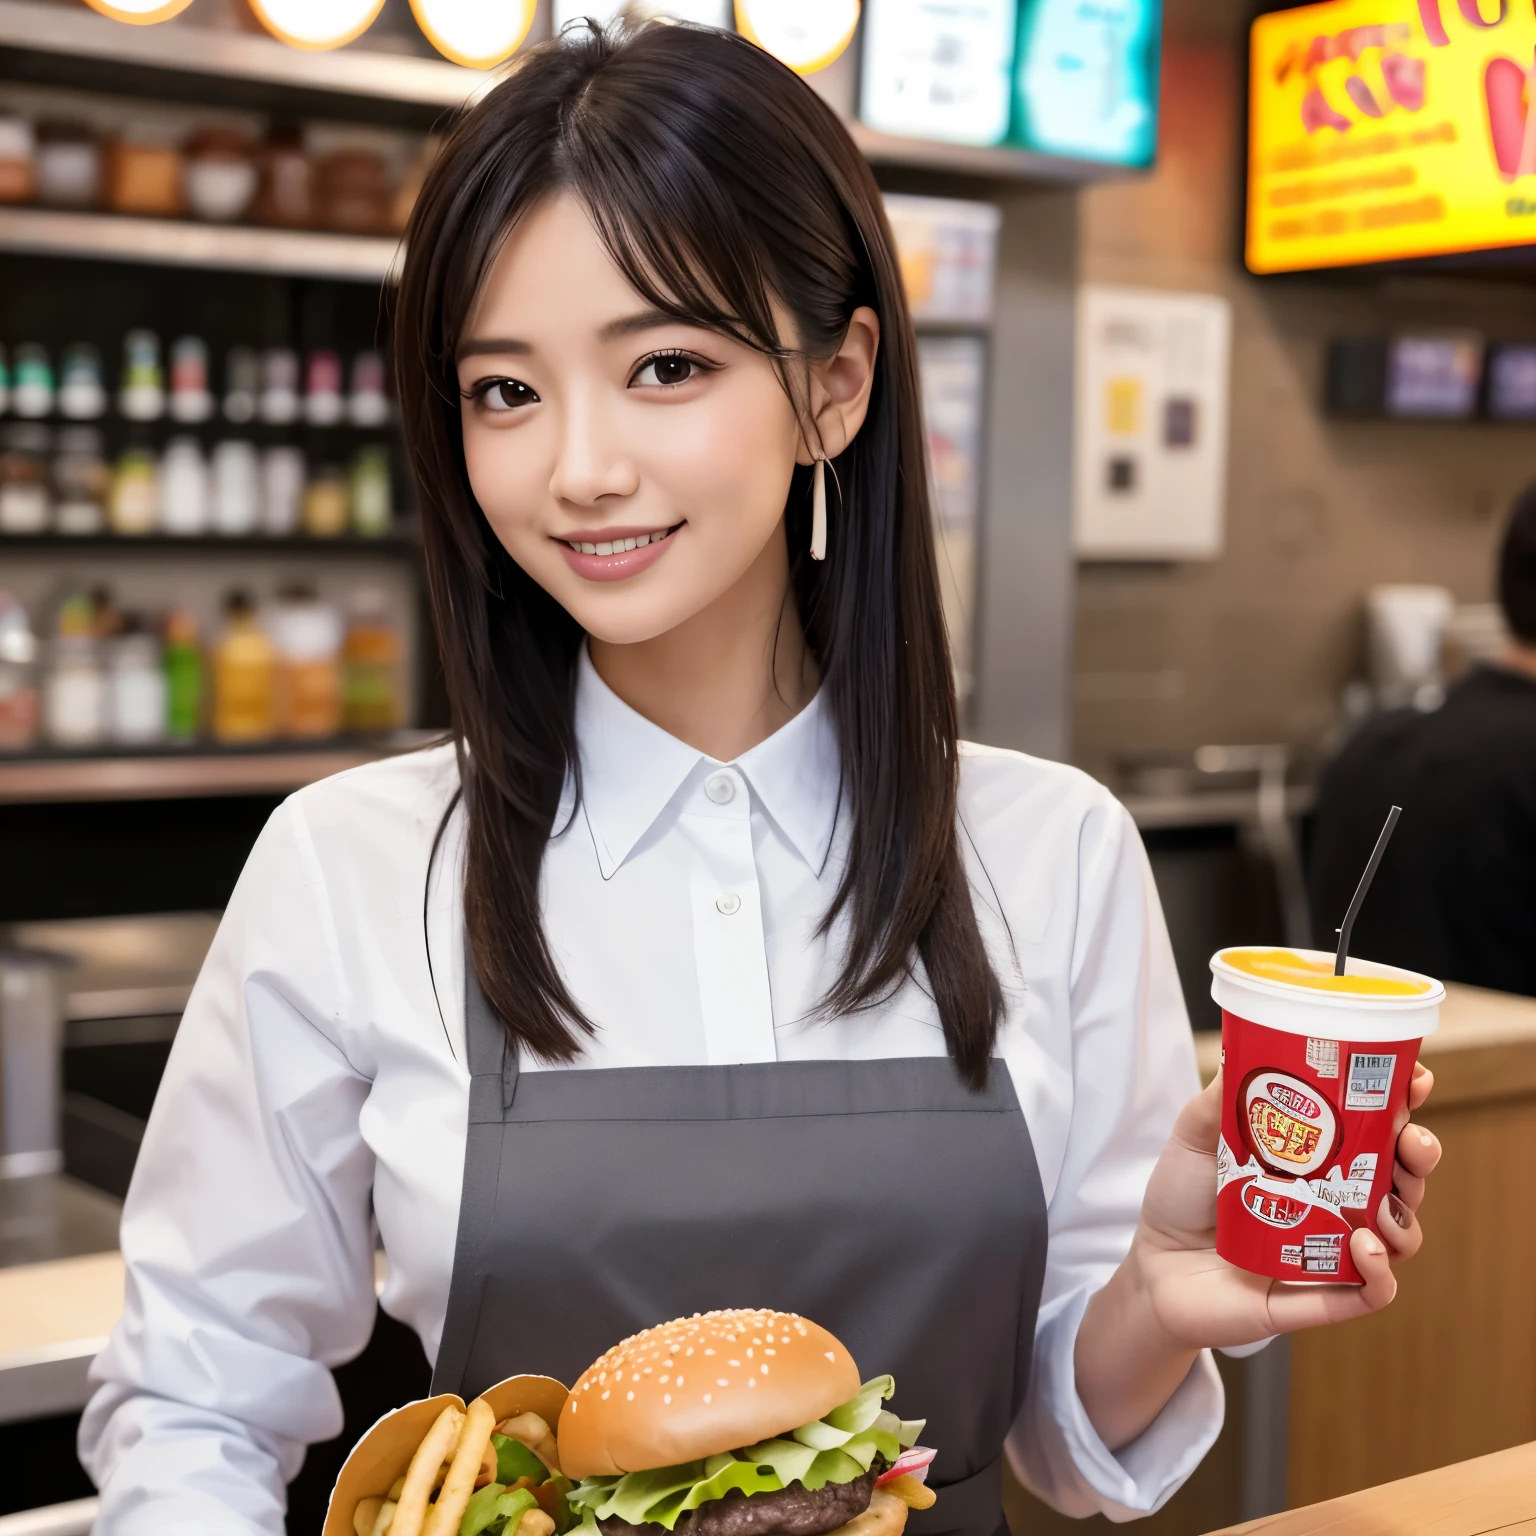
(1331, 1009)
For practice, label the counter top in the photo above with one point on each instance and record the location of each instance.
(1490, 1493)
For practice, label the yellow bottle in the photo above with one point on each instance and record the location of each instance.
(244, 675)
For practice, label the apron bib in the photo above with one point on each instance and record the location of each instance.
(884, 1199)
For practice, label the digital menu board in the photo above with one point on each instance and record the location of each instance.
(1389, 130)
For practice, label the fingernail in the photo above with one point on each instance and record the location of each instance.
(1426, 1139)
(1374, 1245)
(1399, 1212)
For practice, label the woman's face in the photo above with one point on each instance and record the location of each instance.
(634, 466)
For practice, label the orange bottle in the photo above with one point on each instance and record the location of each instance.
(244, 675)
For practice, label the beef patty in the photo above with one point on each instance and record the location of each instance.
(792, 1511)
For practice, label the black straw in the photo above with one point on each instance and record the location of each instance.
(1360, 890)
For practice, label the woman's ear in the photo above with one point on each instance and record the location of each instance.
(840, 389)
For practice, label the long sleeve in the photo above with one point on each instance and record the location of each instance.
(1132, 1070)
(247, 1231)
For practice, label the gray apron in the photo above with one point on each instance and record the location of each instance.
(882, 1198)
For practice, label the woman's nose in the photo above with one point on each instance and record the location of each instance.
(591, 462)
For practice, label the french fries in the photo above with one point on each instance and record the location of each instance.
(438, 1467)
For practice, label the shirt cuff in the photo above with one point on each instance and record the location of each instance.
(1055, 1450)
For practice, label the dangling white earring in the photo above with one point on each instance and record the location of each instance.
(819, 509)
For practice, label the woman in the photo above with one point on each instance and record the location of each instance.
(873, 1026)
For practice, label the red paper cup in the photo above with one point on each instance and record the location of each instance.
(1314, 1072)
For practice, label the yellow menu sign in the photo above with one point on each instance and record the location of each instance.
(1386, 129)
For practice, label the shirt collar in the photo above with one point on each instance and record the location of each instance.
(631, 770)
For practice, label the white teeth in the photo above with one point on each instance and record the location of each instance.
(589, 549)
(630, 543)
(605, 548)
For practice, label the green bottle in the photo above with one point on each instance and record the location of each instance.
(183, 662)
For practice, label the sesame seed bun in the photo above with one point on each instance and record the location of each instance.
(698, 1386)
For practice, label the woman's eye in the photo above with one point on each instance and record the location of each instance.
(507, 395)
(667, 370)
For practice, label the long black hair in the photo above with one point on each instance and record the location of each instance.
(719, 182)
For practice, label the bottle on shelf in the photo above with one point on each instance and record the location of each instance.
(236, 488)
(279, 402)
(25, 503)
(184, 494)
(19, 703)
(32, 381)
(142, 395)
(370, 665)
(82, 393)
(242, 385)
(136, 685)
(182, 659)
(282, 489)
(307, 634)
(323, 404)
(133, 507)
(372, 505)
(18, 160)
(68, 164)
(191, 399)
(327, 503)
(368, 402)
(244, 675)
(81, 481)
(75, 691)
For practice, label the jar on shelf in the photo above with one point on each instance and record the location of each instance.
(373, 510)
(370, 662)
(18, 160)
(68, 164)
(327, 503)
(133, 505)
(221, 174)
(20, 705)
(307, 635)
(323, 403)
(31, 381)
(145, 173)
(184, 494)
(368, 402)
(244, 675)
(82, 388)
(354, 192)
(82, 482)
(191, 399)
(242, 385)
(286, 197)
(142, 395)
(279, 403)
(75, 690)
(26, 505)
(136, 693)
(282, 489)
(182, 660)
(236, 488)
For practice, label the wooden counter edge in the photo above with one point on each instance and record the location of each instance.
(1465, 1499)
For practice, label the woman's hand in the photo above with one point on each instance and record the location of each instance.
(1174, 1296)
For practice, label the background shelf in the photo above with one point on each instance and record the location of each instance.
(402, 545)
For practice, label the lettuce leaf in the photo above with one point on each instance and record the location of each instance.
(838, 1448)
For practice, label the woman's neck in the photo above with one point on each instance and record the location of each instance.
(728, 677)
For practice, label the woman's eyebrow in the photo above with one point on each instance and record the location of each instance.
(501, 346)
(645, 320)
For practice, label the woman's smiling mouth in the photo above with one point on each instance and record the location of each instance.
(612, 554)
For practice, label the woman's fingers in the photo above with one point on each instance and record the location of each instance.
(1399, 1228)
(1407, 1187)
(1293, 1307)
(1199, 1124)
(1418, 1151)
(1419, 1089)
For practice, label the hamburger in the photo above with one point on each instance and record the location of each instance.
(739, 1423)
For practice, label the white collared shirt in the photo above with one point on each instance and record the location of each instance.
(318, 1080)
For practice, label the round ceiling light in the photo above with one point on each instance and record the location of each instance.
(316, 24)
(142, 13)
(475, 33)
(805, 34)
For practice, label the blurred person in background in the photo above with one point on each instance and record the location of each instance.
(1456, 893)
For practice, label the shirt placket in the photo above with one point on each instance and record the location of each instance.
(732, 964)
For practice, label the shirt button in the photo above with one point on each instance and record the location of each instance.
(721, 788)
(729, 904)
